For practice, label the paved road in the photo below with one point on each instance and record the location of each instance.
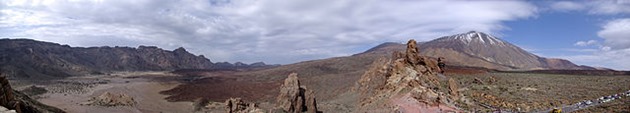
(575, 106)
(595, 102)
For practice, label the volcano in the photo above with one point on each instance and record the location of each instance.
(478, 49)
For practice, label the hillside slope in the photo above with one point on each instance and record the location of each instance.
(478, 49)
(24, 58)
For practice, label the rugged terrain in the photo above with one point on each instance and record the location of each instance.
(478, 49)
(32, 59)
(330, 79)
(387, 78)
(120, 92)
(406, 82)
(19, 102)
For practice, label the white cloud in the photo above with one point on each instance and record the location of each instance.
(616, 33)
(614, 52)
(610, 6)
(585, 43)
(600, 7)
(275, 31)
(567, 6)
(616, 59)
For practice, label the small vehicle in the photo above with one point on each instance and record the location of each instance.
(556, 110)
(589, 102)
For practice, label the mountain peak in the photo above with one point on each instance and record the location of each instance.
(473, 31)
(474, 37)
(180, 49)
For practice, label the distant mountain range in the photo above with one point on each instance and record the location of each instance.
(25, 58)
(478, 49)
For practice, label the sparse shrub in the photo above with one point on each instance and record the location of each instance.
(34, 91)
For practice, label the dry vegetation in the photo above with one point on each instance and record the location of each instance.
(534, 92)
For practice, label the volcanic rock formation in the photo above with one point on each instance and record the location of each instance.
(408, 82)
(478, 49)
(19, 102)
(236, 105)
(294, 98)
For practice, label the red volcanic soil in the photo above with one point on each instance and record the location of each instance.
(576, 72)
(220, 86)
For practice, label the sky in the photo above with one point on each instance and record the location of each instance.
(589, 32)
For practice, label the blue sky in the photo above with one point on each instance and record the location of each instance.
(586, 32)
(556, 33)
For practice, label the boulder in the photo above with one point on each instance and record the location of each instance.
(311, 103)
(237, 105)
(295, 99)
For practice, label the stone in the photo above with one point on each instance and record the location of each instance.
(234, 105)
(311, 103)
(452, 86)
(289, 93)
(492, 79)
(237, 105)
(412, 52)
(294, 98)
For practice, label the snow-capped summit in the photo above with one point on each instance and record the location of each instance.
(474, 37)
(480, 49)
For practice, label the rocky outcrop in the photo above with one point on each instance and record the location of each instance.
(412, 53)
(236, 105)
(407, 82)
(294, 98)
(16, 101)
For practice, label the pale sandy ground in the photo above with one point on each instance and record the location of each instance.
(141, 88)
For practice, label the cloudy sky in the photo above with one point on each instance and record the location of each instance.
(595, 33)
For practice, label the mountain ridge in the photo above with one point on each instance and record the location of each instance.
(27, 58)
(478, 49)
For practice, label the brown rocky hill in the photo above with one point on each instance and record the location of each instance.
(25, 58)
(478, 49)
(406, 82)
(331, 78)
